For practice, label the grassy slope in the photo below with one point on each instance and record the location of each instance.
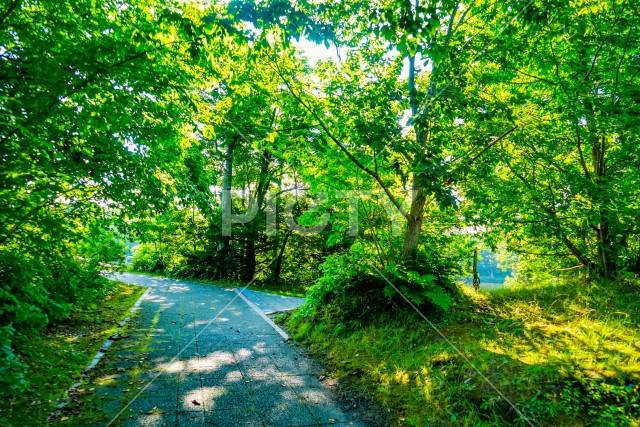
(57, 357)
(565, 353)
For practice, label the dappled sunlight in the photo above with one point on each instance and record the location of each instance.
(243, 354)
(150, 420)
(105, 380)
(218, 354)
(262, 373)
(233, 377)
(156, 298)
(167, 306)
(209, 394)
(196, 324)
(192, 400)
(178, 288)
(173, 367)
(191, 368)
(209, 364)
(599, 349)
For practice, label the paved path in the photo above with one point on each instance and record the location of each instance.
(202, 367)
(271, 303)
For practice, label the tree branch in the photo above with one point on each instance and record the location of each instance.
(485, 149)
(582, 161)
(341, 146)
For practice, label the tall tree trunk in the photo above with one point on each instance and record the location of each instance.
(414, 221)
(261, 193)
(278, 263)
(420, 117)
(606, 258)
(418, 196)
(224, 248)
(476, 276)
(250, 260)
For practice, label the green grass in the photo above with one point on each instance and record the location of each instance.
(57, 357)
(565, 353)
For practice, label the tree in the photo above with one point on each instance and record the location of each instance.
(93, 115)
(565, 183)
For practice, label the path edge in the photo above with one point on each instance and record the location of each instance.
(261, 313)
(64, 401)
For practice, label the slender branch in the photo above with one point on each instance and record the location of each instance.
(571, 268)
(342, 147)
(462, 18)
(450, 26)
(595, 57)
(555, 60)
(541, 79)
(541, 254)
(582, 161)
(624, 53)
(485, 149)
(576, 253)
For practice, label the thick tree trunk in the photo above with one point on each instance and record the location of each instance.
(414, 221)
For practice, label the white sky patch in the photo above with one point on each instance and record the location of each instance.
(315, 52)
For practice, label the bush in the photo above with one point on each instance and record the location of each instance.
(353, 287)
(41, 285)
(146, 257)
(35, 292)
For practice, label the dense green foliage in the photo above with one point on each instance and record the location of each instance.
(91, 115)
(203, 133)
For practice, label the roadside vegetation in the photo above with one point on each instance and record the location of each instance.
(366, 173)
(566, 352)
(55, 358)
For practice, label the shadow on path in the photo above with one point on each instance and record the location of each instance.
(237, 372)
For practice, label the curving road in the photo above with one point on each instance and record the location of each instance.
(198, 355)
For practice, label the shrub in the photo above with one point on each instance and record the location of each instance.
(36, 291)
(146, 257)
(353, 287)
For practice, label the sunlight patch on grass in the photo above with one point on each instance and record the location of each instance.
(561, 352)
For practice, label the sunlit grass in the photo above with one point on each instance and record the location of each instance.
(539, 345)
